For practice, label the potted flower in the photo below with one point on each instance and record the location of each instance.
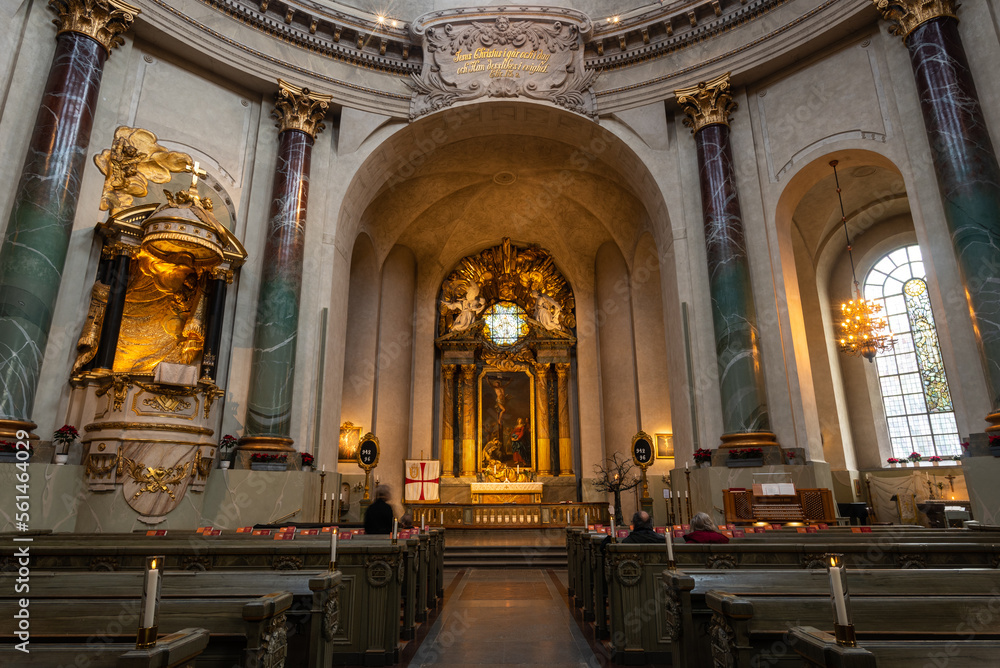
(915, 457)
(892, 461)
(745, 457)
(9, 450)
(995, 445)
(957, 459)
(262, 461)
(703, 457)
(307, 461)
(226, 444)
(790, 457)
(934, 460)
(64, 437)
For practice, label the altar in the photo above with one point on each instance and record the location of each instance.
(506, 492)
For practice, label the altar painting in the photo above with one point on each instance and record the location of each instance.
(506, 420)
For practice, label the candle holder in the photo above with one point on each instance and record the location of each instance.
(322, 499)
(333, 566)
(149, 606)
(845, 635)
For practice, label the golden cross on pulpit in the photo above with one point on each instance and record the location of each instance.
(195, 173)
(951, 480)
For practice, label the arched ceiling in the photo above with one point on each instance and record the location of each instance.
(473, 192)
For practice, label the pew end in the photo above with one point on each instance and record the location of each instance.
(171, 651)
(818, 648)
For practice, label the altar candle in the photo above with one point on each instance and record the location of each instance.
(686, 469)
(518, 469)
(333, 547)
(839, 604)
(423, 524)
(152, 581)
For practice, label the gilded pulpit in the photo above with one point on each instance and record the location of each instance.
(144, 378)
(506, 332)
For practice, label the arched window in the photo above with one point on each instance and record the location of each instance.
(912, 377)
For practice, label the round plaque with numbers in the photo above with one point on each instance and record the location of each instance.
(642, 449)
(368, 452)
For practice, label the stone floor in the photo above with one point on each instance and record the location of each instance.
(508, 617)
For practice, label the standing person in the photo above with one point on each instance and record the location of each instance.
(378, 517)
(703, 531)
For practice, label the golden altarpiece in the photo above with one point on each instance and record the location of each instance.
(144, 380)
(506, 338)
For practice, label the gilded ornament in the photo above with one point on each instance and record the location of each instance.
(102, 20)
(904, 16)
(86, 345)
(331, 615)
(155, 480)
(134, 160)
(708, 103)
(166, 403)
(151, 426)
(299, 109)
(274, 644)
(96, 469)
(113, 249)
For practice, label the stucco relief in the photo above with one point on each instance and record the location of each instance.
(534, 53)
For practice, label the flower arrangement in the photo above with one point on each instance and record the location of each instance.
(790, 454)
(893, 460)
(747, 453)
(915, 457)
(11, 446)
(956, 458)
(702, 455)
(264, 457)
(934, 458)
(64, 437)
(307, 459)
(965, 446)
(994, 440)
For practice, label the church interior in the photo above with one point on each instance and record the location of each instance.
(394, 332)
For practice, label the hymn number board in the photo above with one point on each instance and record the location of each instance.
(642, 449)
(368, 452)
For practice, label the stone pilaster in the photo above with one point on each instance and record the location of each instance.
(565, 440)
(269, 406)
(468, 419)
(41, 220)
(965, 163)
(737, 343)
(543, 443)
(448, 419)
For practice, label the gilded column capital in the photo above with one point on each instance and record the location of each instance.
(102, 20)
(299, 109)
(221, 274)
(562, 370)
(468, 371)
(708, 103)
(448, 371)
(116, 248)
(904, 16)
(541, 369)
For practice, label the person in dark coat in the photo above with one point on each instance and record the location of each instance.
(703, 531)
(379, 516)
(642, 531)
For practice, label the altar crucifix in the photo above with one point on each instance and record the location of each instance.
(951, 481)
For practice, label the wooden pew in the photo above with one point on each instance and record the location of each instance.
(248, 631)
(746, 628)
(313, 616)
(174, 650)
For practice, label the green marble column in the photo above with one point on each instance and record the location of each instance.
(272, 370)
(965, 163)
(37, 236)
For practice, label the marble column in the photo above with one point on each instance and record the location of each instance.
(565, 441)
(272, 369)
(737, 341)
(215, 309)
(965, 163)
(543, 444)
(468, 419)
(41, 220)
(448, 419)
(117, 280)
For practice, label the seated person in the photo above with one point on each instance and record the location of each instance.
(406, 521)
(641, 531)
(703, 531)
(378, 517)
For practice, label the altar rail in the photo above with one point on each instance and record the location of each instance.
(507, 515)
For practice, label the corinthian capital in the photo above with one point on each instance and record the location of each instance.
(708, 103)
(101, 20)
(905, 15)
(299, 109)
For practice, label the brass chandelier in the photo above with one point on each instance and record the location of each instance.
(863, 333)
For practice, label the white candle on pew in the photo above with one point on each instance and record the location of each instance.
(152, 580)
(670, 544)
(395, 530)
(839, 604)
(585, 522)
(614, 534)
(333, 547)
(423, 524)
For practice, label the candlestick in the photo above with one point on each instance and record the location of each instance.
(152, 582)
(837, 590)
(423, 524)
(585, 522)
(322, 499)
(146, 635)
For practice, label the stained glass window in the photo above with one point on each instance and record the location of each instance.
(912, 378)
(506, 323)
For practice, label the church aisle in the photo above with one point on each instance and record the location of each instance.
(514, 617)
